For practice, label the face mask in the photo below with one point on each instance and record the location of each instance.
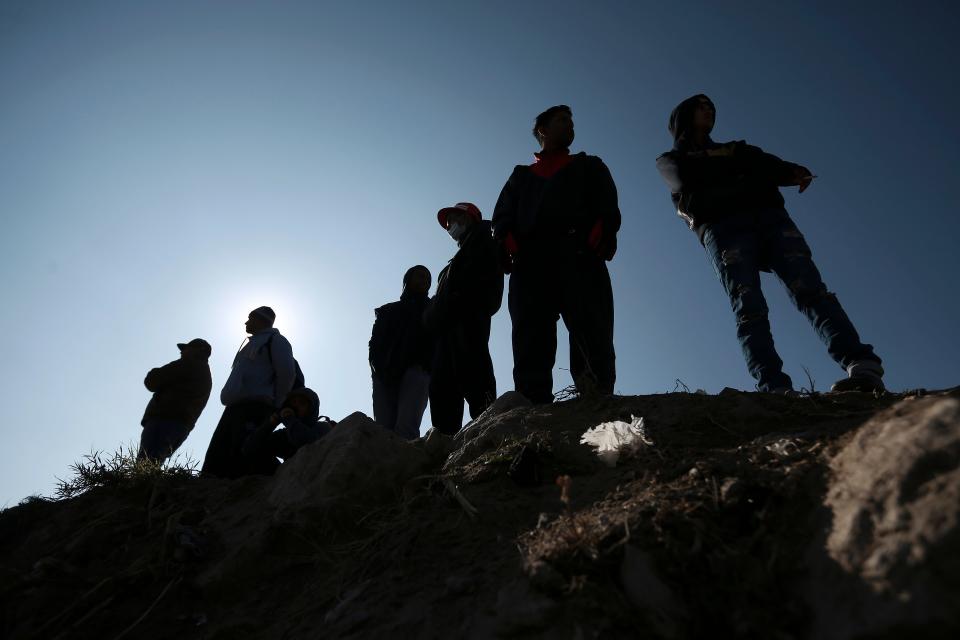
(456, 230)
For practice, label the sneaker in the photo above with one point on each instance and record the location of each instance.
(865, 376)
(863, 384)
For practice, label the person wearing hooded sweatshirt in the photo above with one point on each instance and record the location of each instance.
(263, 373)
(556, 223)
(729, 195)
(469, 293)
(301, 425)
(180, 392)
(401, 355)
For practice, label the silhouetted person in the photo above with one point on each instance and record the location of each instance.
(180, 392)
(469, 292)
(262, 375)
(557, 221)
(401, 354)
(301, 425)
(728, 194)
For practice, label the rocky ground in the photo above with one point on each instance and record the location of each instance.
(738, 515)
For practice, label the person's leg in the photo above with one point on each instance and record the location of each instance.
(475, 367)
(446, 399)
(412, 402)
(160, 438)
(733, 251)
(790, 258)
(250, 416)
(384, 404)
(588, 315)
(217, 458)
(534, 317)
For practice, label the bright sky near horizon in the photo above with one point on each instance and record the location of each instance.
(167, 166)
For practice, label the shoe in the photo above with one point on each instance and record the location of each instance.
(863, 384)
(785, 391)
(865, 376)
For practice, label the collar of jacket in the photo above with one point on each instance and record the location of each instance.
(257, 340)
(682, 144)
(548, 163)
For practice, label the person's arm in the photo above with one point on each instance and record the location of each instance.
(603, 236)
(259, 439)
(504, 222)
(164, 377)
(780, 172)
(283, 367)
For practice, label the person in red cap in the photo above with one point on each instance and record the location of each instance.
(180, 392)
(469, 293)
(556, 223)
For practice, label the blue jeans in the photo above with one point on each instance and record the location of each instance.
(161, 437)
(399, 406)
(743, 245)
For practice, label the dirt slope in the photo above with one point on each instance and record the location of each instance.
(745, 515)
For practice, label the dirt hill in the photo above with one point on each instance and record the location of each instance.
(735, 515)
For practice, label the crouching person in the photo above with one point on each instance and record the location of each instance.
(300, 424)
(180, 392)
(401, 355)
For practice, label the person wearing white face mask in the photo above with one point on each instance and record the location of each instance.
(469, 293)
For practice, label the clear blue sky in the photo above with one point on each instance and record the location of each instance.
(167, 166)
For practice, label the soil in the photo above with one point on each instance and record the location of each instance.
(743, 515)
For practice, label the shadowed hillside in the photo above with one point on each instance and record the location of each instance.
(741, 514)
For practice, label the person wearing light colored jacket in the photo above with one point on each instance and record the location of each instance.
(262, 375)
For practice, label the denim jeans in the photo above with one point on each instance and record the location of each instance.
(161, 437)
(399, 407)
(739, 248)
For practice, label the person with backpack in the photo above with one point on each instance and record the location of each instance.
(401, 356)
(728, 194)
(556, 223)
(300, 424)
(469, 293)
(180, 392)
(264, 371)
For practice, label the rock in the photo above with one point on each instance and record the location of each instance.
(333, 475)
(895, 503)
(437, 446)
(507, 402)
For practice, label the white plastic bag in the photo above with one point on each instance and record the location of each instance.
(613, 438)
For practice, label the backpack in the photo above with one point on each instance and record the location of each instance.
(298, 382)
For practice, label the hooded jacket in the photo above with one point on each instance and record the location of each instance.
(261, 372)
(560, 209)
(471, 285)
(262, 447)
(714, 181)
(399, 339)
(180, 391)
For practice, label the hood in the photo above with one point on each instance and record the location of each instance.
(314, 399)
(682, 116)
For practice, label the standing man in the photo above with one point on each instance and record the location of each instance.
(180, 392)
(469, 293)
(262, 375)
(556, 222)
(728, 194)
(401, 355)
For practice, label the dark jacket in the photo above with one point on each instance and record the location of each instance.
(262, 447)
(400, 339)
(180, 391)
(712, 182)
(720, 180)
(471, 285)
(560, 209)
